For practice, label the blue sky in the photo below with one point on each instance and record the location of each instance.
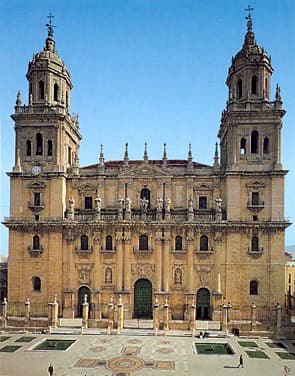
(146, 71)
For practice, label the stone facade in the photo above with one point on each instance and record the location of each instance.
(170, 230)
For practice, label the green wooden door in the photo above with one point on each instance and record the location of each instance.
(203, 304)
(143, 299)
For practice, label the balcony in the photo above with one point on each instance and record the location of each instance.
(108, 251)
(35, 252)
(255, 207)
(256, 251)
(83, 252)
(205, 252)
(36, 208)
(144, 251)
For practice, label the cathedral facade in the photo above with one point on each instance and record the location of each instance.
(162, 230)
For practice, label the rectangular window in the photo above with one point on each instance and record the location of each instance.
(37, 199)
(255, 198)
(88, 202)
(69, 155)
(203, 202)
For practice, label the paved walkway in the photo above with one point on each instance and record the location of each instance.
(139, 355)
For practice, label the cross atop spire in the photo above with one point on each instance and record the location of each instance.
(249, 18)
(50, 26)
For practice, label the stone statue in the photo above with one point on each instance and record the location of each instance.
(97, 201)
(71, 204)
(159, 204)
(178, 277)
(128, 204)
(144, 204)
(190, 205)
(121, 203)
(108, 275)
(218, 202)
(167, 204)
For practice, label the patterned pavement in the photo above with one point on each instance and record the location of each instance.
(127, 355)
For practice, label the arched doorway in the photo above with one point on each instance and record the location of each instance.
(203, 304)
(143, 299)
(81, 293)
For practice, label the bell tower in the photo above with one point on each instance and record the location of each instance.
(47, 136)
(251, 124)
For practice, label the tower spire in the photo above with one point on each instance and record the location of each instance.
(164, 155)
(50, 43)
(145, 155)
(126, 157)
(249, 18)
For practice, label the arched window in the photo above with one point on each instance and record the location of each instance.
(254, 244)
(254, 85)
(84, 242)
(108, 275)
(204, 243)
(39, 144)
(49, 148)
(109, 243)
(254, 142)
(243, 146)
(266, 145)
(266, 87)
(145, 193)
(178, 243)
(239, 89)
(36, 282)
(143, 243)
(37, 198)
(36, 242)
(253, 287)
(55, 92)
(41, 89)
(29, 148)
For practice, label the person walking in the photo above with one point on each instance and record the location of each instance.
(50, 369)
(241, 362)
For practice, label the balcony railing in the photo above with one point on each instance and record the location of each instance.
(254, 251)
(137, 249)
(35, 252)
(104, 250)
(83, 251)
(208, 251)
(255, 206)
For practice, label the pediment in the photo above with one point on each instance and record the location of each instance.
(87, 187)
(144, 169)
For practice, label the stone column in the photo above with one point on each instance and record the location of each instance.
(156, 323)
(85, 312)
(190, 261)
(97, 300)
(127, 263)
(192, 316)
(158, 271)
(253, 316)
(120, 314)
(166, 316)
(119, 262)
(110, 315)
(27, 309)
(4, 313)
(278, 320)
(54, 313)
(166, 265)
(224, 318)
(68, 311)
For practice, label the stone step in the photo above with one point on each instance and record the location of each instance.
(70, 323)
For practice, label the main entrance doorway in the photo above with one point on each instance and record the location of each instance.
(83, 290)
(143, 299)
(203, 304)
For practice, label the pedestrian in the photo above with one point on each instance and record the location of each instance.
(50, 369)
(241, 362)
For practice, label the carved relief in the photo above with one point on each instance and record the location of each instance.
(204, 273)
(143, 269)
(84, 271)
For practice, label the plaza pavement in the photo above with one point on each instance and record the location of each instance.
(135, 353)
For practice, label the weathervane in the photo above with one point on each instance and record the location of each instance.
(50, 26)
(249, 18)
